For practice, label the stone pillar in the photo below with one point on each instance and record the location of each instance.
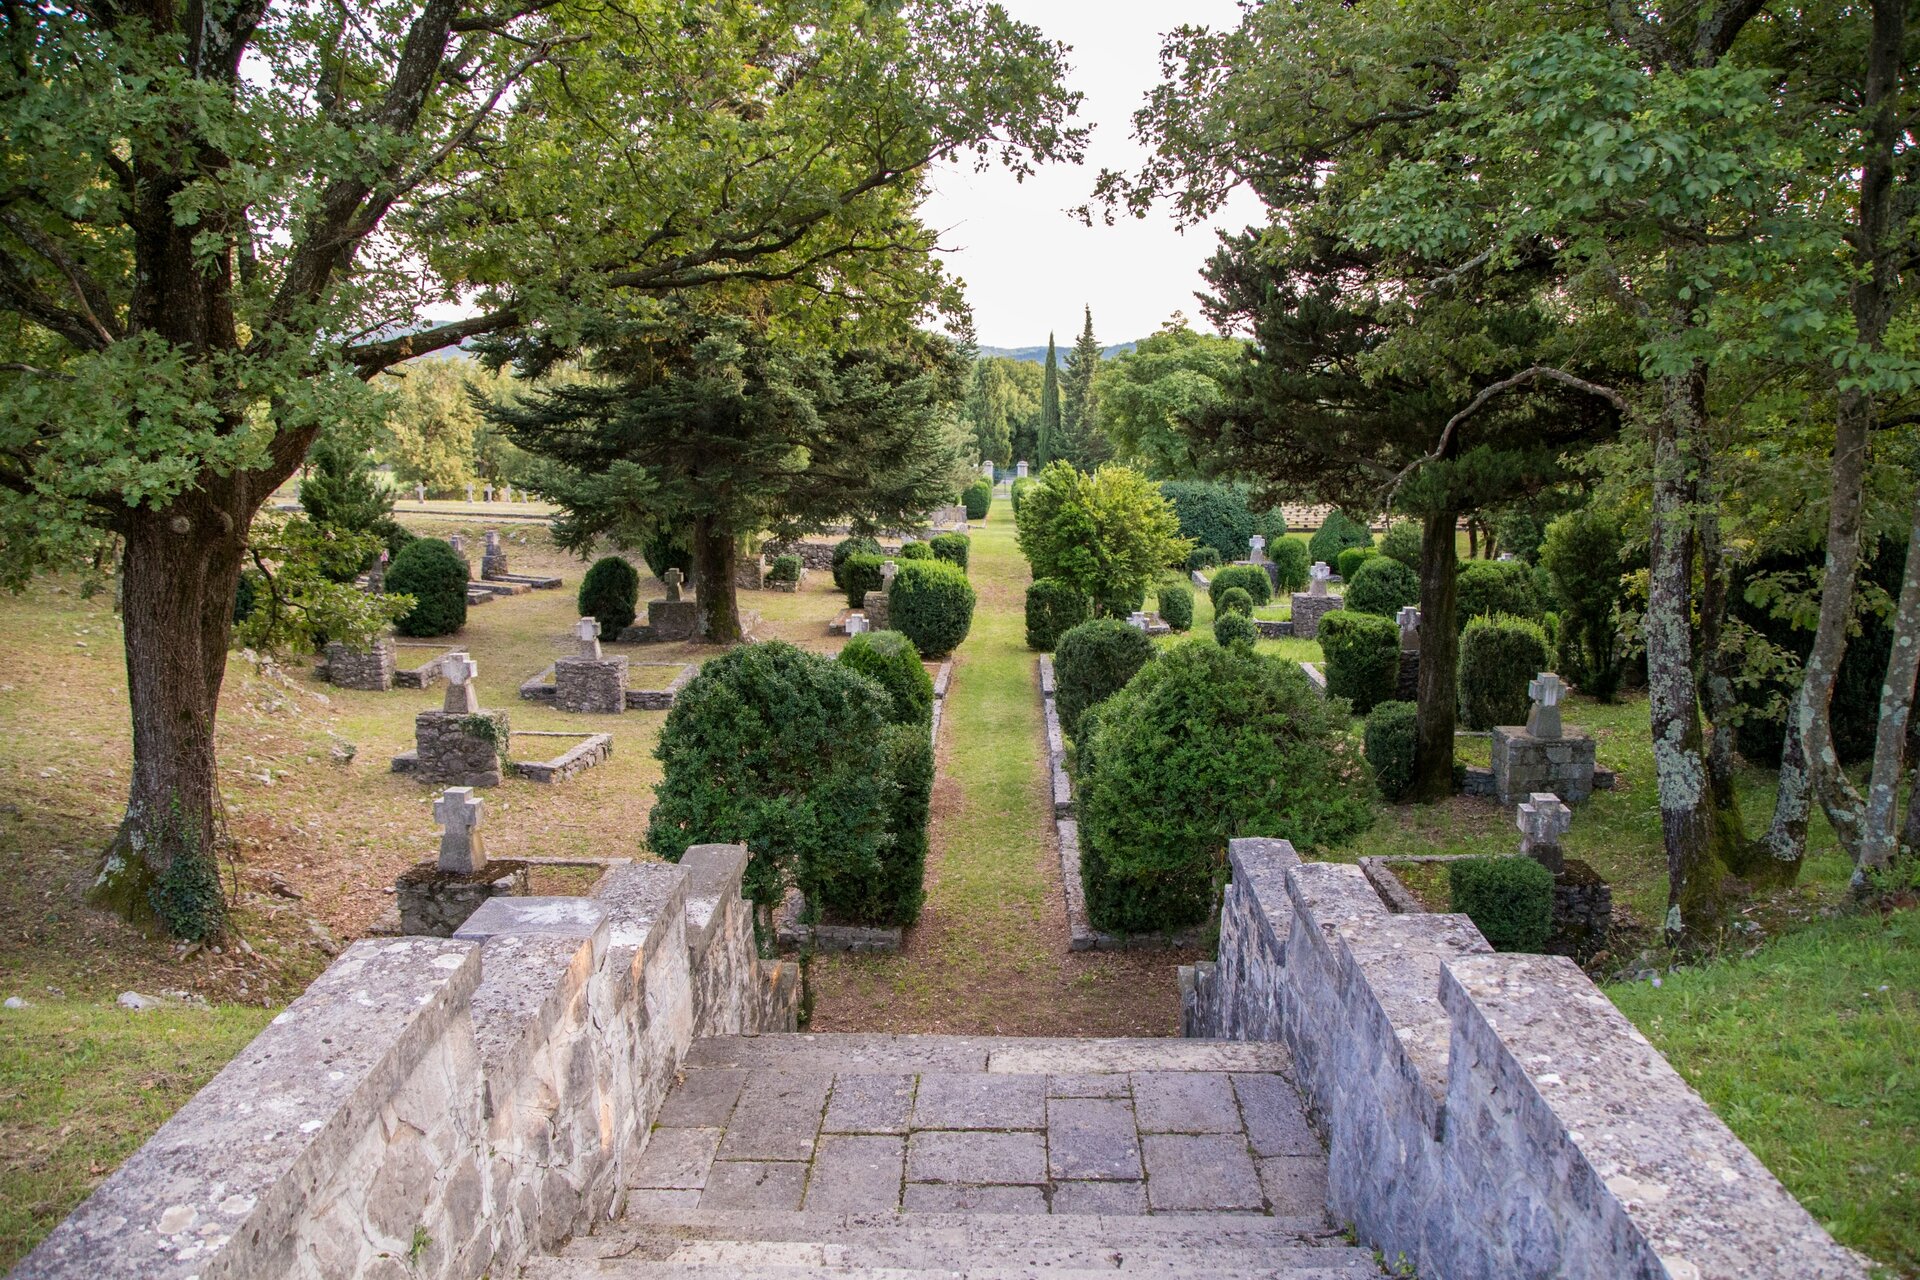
(586, 681)
(458, 542)
(493, 557)
(377, 574)
(419, 493)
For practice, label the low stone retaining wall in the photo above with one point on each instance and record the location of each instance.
(1488, 1117)
(442, 1108)
(588, 750)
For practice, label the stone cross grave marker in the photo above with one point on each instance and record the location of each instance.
(419, 493)
(856, 623)
(1020, 470)
(489, 492)
(1256, 548)
(587, 633)
(469, 493)
(377, 575)
(888, 571)
(1317, 578)
(462, 697)
(462, 852)
(673, 578)
(1409, 620)
(1137, 619)
(493, 542)
(1542, 820)
(1543, 721)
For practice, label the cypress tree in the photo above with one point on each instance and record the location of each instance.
(1049, 442)
(1081, 441)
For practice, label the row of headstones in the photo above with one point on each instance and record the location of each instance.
(506, 491)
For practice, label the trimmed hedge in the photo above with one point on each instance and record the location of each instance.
(1212, 514)
(1290, 563)
(784, 569)
(1392, 738)
(610, 591)
(1401, 542)
(1016, 491)
(1054, 608)
(1349, 561)
(1176, 606)
(1510, 900)
(954, 548)
(1092, 662)
(859, 574)
(1201, 558)
(1363, 657)
(1235, 629)
(889, 659)
(976, 498)
(932, 604)
(1250, 578)
(895, 895)
(1234, 600)
(433, 573)
(1381, 585)
(1337, 533)
(1499, 656)
(1204, 745)
(1487, 587)
(850, 547)
(914, 551)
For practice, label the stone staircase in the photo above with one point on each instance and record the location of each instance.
(813, 1156)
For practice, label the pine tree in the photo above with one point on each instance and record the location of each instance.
(1049, 442)
(1081, 441)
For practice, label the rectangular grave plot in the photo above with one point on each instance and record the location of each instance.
(588, 750)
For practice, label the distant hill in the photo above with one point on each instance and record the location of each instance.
(1038, 355)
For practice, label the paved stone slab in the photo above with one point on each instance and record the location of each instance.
(1294, 1184)
(1126, 1199)
(941, 1156)
(1276, 1123)
(1185, 1102)
(1092, 1138)
(702, 1098)
(1110, 1084)
(1065, 1057)
(754, 1184)
(977, 1100)
(937, 1197)
(776, 1117)
(830, 1054)
(1200, 1173)
(852, 1173)
(869, 1104)
(641, 1201)
(676, 1159)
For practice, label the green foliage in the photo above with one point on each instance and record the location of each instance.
(1003, 408)
(1202, 558)
(954, 548)
(431, 421)
(341, 491)
(1509, 899)
(1350, 560)
(435, 576)
(1401, 542)
(1487, 587)
(1290, 562)
(1109, 534)
(893, 896)
(1176, 605)
(1054, 608)
(245, 592)
(1148, 395)
(932, 603)
(1382, 585)
(1250, 578)
(1393, 739)
(1235, 629)
(665, 549)
(1047, 439)
(1079, 440)
(1363, 657)
(976, 498)
(300, 593)
(855, 545)
(1092, 662)
(1204, 745)
(186, 896)
(1582, 554)
(784, 569)
(1235, 600)
(889, 659)
(1337, 532)
(610, 591)
(1212, 514)
(914, 551)
(1018, 490)
(1499, 657)
(859, 574)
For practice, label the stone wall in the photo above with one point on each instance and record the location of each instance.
(1524, 764)
(441, 1107)
(1308, 610)
(454, 750)
(370, 669)
(591, 686)
(1488, 1117)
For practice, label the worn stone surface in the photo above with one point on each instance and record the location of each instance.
(1200, 1172)
(371, 668)
(854, 1172)
(591, 686)
(460, 749)
(975, 1100)
(1524, 764)
(863, 1103)
(1092, 1138)
(585, 752)
(671, 619)
(1308, 610)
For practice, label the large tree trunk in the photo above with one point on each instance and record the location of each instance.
(1878, 842)
(717, 607)
(1439, 656)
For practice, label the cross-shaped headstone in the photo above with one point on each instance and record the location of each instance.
(1543, 721)
(419, 493)
(462, 852)
(1137, 619)
(1409, 620)
(506, 493)
(1317, 578)
(587, 633)
(469, 493)
(493, 542)
(856, 623)
(1542, 820)
(888, 570)
(463, 698)
(673, 578)
(489, 492)
(1257, 548)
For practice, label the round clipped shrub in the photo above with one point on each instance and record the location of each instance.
(895, 895)
(784, 569)
(931, 603)
(1401, 542)
(1363, 657)
(1510, 900)
(1250, 578)
(1392, 735)
(1054, 608)
(914, 551)
(1017, 491)
(1176, 606)
(786, 752)
(855, 546)
(1092, 662)
(1337, 532)
(436, 577)
(1499, 656)
(1350, 561)
(1487, 587)
(1235, 628)
(1381, 585)
(976, 498)
(859, 574)
(889, 659)
(1290, 563)
(610, 591)
(1202, 558)
(1204, 745)
(954, 548)
(1235, 600)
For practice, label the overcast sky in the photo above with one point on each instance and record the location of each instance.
(1028, 264)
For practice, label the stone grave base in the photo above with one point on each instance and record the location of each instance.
(426, 674)
(664, 698)
(433, 903)
(591, 686)
(1524, 764)
(792, 933)
(838, 627)
(1477, 780)
(1316, 677)
(589, 750)
(454, 750)
(667, 620)
(1308, 610)
(1407, 686)
(875, 605)
(1273, 628)
(750, 575)
(370, 669)
(532, 582)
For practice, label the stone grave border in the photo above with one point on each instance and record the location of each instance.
(592, 749)
(541, 688)
(427, 673)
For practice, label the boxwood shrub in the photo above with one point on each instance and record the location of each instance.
(1337, 533)
(1092, 662)
(889, 659)
(1363, 657)
(1350, 560)
(895, 895)
(1204, 745)
(784, 569)
(433, 573)
(1290, 563)
(1392, 735)
(1401, 542)
(1487, 587)
(1381, 585)
(859, 574)
(1054, 608)
(1510, 900)
(1235, 600)
(1233, 629)
(1250, 578)
(1499, 656)
(954, 548)
(855, 546)
(931, 603)
(1212, 514)
(914, 551)
(1202, 558)
(1017, 490)
(1176, 606)
(976, 498)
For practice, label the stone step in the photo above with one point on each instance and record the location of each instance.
(836, 1052)
(1351, 1264)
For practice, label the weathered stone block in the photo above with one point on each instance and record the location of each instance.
(371, 668)
(460, 750)
(1524, 764)
(671, 619)
(435, 903)
(874, 605)
(1308, 610)
(591, 686)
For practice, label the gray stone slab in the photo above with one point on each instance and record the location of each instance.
(754, 1184)
(830, 1054)
(544, 917)
(1200, 1173)
(703, 1098)
(641, 1201)
(1294, 1184)
(1124, 1199)
(864, 1103)
(776, 1117)
(676, 1160)
(856, 1173)
(1185, 1102)
(977, 1100)
(944, 1156)
(1092, 1138)
(938, 1197)
(1109, 1084)
(1065, 1057)
(1276, 1123)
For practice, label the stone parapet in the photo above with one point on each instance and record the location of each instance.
(591, 686)
(1307, 612)
(1524, 764)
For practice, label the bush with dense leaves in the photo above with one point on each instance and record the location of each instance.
(889, 659)
(931, 602)
(976, 498)
(894, 894)
(1392, 738)
(436, 577)
(1176, 606)
(1290, 563)
(860, 573)
(1510, 900)
(1235, 600)
(1092, 662)
(1202, 558)
(1110, 534)
(1235, 628)
(1363, 657)
(1205, 745)
(855, 546)
(1499, 656)
(1401, 542)
(1250, 578)
(914, 551)
(784, 569)
(1581, 554)
(1382, 585)
(610, 591)
(954, 548)
(1350, 560)
(667, 549)
(1212, 514)
(1017, 491)
(1053, 609)
(1487, 587)
(1337, 533)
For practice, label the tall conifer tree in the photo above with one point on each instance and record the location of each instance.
(1049, 443)
(1080, 441)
